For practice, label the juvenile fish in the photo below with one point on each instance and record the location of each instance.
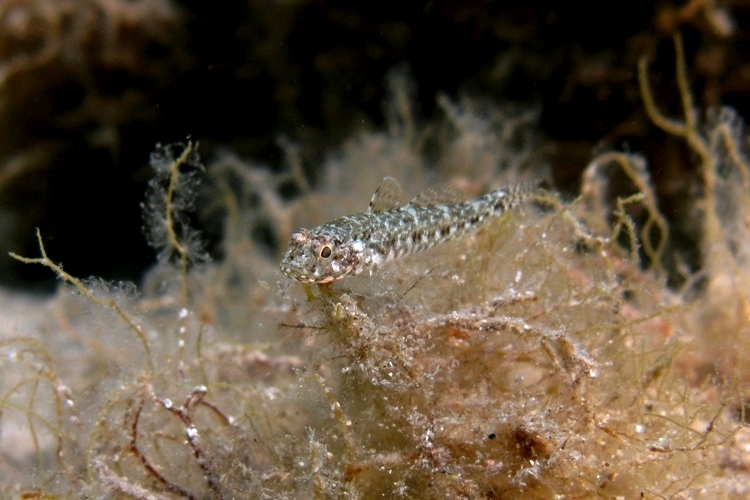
(364, 242)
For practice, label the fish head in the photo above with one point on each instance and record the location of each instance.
(315, 258)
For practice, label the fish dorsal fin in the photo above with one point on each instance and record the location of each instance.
(387, 196)
(443, 194)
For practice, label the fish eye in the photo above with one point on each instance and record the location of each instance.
(325, 251)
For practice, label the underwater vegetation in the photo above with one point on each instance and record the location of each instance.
(543, 355)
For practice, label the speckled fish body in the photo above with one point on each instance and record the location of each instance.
(363, 242)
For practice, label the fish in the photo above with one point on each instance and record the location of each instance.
(387, 231)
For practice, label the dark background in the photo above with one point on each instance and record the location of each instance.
(88, 88)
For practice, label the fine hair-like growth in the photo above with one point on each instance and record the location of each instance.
(541, 355)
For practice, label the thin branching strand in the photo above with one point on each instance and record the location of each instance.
(86, 292)
(532, 357)
(170, 200)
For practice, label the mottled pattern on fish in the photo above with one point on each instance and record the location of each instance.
(362, 242)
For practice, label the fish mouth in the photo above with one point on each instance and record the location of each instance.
(293, 272)
(298, 275)
(331, 279)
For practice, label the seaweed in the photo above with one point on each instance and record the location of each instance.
(543, 355)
